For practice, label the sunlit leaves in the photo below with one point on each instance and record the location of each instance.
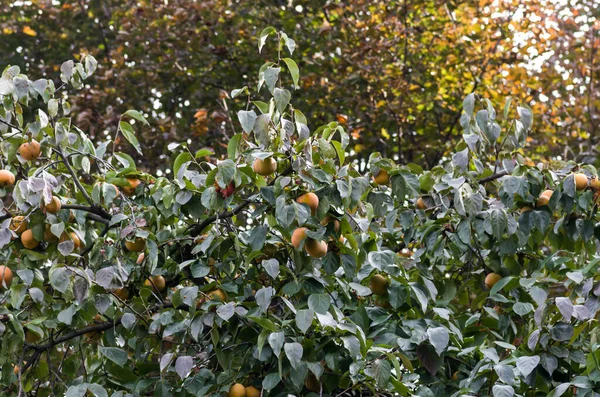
(264, 35)
(469, 104)
(293, 69)
(319, 303)
(439, 338)
(304, 319)
(127, 130)
(247, 119)
(526, 364)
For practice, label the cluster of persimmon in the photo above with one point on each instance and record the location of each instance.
(239, 390)
(31, 151)
(314, 248)
(581, 181)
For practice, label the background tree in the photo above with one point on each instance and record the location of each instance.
(394, 72)
(283, 269)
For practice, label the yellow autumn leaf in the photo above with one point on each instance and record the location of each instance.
(29, 32)
(359, 148)
(385, 133)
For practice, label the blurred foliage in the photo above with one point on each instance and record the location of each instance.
(394, 72)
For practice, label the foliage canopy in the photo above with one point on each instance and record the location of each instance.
(466, 279)
(392, 72)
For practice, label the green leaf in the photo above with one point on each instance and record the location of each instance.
(282, 98)
(381, 372)
(327, 149)
(352, 344)
(381, 260)
(126, 160)
(182, 158)
(271, 75)
(76, 391)
(522, 308)
(262, 106)
(247, 119)
(276, 340)
(439, 338)
(136, 115)
(429, 358)
(59, 279)
(405, 185)
(304, 319)
(264, 323)
(233, 146)
(271, 380)
(500, 390)
(420, 294)
(264, 35)
(294, 71)
(66, 316)
(129, 134)
(203, 153)
(340, 151)
(53, 107)
(238, 91)
(319, 303)
(469, 104)
(272, 267)
(289, 43)
(526, 364)
(263, 297)
(226, 171)
(261, 130)
(293, 352)
(505, 373)
(97, 390)
(116, 355)
(560, 390)
(562, 331)
(507, 107)
(526, 116)
(500, 284)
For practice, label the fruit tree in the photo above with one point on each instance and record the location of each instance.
(281, 269)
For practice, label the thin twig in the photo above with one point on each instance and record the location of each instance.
(196, 229)
(75, 179)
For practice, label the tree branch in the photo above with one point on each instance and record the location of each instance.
(75, 179)
(493, 177)
(10, 125)
(100, 327)
(102, 216)
(197, 228)
(39, 349)
(94, 217)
